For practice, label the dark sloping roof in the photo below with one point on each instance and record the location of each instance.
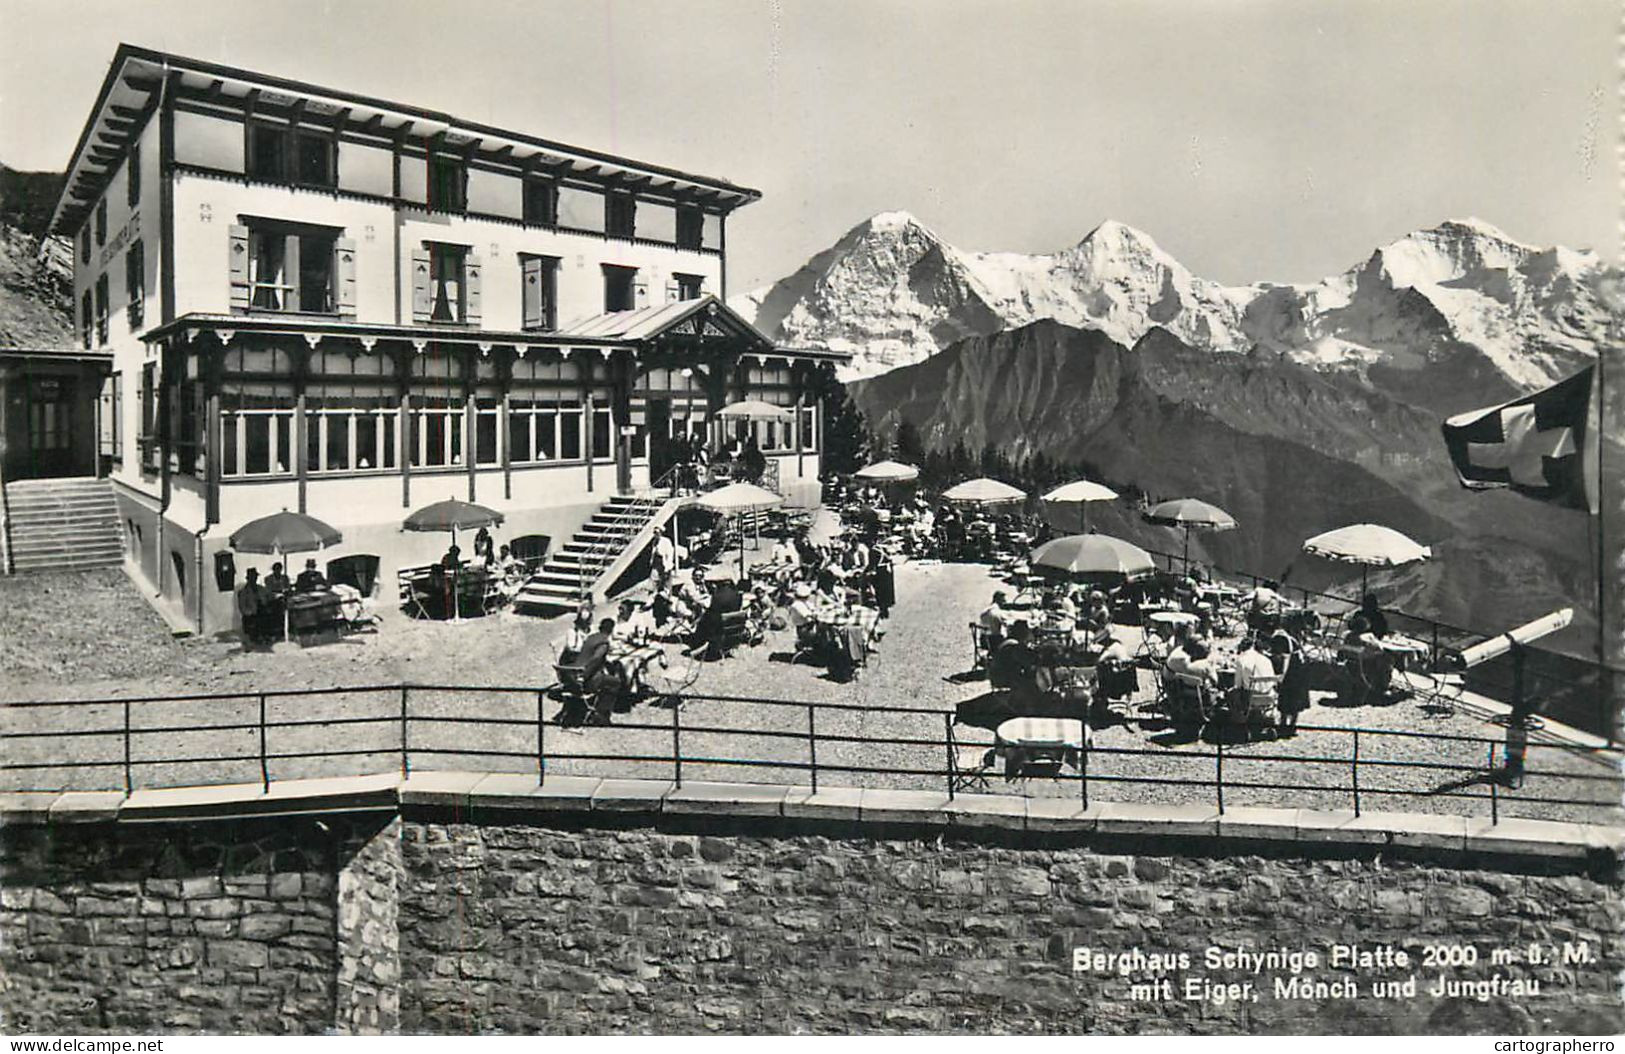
(135, 79)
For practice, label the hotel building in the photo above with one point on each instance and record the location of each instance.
(319, 301)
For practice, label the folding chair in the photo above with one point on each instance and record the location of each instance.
(971, 766)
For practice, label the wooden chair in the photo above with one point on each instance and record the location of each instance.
(971, 767)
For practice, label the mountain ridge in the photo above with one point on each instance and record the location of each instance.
(1449, 314)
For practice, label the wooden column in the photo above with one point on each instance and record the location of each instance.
(210, 371)
(588, 366)
(471, 367)
(505, 408)
(166, 198)
(404, 439)
(301, 423)
(620, 416)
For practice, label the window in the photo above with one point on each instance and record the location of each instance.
(690, 227)
(540, 292)
(446, 282)
(132, 175)
(545, 412)
(602, 433)
(317, 159)
(101, 222)
(84, 243)
(809, 418)
(48, 415)
(256, 411)
(267, 153)
(689, 286)
(281, 154)
(86, 314)
(541, 202)
(351, 414)
(112, 418)
(620, 292)
(135, 284)
(148, 439)
(101, 309)
(290, 268)
(448, 184)
(619, 215)
(439, 411)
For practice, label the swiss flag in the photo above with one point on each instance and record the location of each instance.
(1543, 445)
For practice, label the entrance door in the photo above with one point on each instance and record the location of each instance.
(662, 451)
(50, 427)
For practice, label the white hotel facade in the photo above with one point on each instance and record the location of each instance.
(324, 302)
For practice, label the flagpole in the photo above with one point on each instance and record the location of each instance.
(1604, 672)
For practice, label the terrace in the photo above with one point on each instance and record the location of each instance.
(471, 698)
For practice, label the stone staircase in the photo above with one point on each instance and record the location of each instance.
(590, 563)
(61, 525)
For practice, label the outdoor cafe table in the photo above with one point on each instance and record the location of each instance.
(1169, 621)
(314, 610)
(1040, 739)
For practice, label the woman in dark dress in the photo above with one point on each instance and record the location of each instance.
(882, 580)
(1293, 694)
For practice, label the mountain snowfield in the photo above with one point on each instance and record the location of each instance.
(1460, 300)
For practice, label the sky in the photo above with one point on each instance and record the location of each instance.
(1252, 139)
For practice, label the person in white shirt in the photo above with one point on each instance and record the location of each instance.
(993, 618)
(665, 559)
(1253, 667)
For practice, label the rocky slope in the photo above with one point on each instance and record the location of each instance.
(1451, 316)
(1289, 450)
(36, 272)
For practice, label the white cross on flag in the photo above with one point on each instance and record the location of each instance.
(1543, 445)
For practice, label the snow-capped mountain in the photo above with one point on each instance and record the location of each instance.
(1450, 314)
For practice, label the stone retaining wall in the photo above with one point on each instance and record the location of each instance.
(535, 929)
(567, 920)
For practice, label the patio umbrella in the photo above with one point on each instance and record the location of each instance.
(1093, 556)
(983, 491)
(284, 532)
(281, 533)
(1079, 493)
(738, 499)
(1189, 515)
(1368, 545)
(452, 515)
(756, 410)
(888, 472)
(825, 528)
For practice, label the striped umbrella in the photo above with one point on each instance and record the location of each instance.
(1368, 545)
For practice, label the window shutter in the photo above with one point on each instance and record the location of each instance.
(471, 288)
(421, 298)
(532, 296)
(344, 274)
(239, 267)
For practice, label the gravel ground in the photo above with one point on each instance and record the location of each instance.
(89, 637)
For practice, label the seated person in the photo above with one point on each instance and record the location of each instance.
(785, 555)
(1370, 668)
(725, 599)
(800, 612)
(1012, 662)
(1117, 678)
(277, 582)
(453, 559)
(993, 617)
(1189, 660)
(1061, 601)
(1264, 607)
(1097, 617)
(309, 579)
(512, 568)
(670, 616)
(1254, 671)
(576, 636)
(633, 624)
(600, 675)
(1374, 618)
